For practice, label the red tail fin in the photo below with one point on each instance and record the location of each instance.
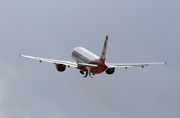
(103, 55)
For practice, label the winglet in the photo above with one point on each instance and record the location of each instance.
(103, 55)
(20, 55)
(165, 63)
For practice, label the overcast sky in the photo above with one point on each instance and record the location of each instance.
(139, 31)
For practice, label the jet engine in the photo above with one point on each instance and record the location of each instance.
(110, 71)
(60, 67)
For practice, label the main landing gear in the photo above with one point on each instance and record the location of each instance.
(82, 72)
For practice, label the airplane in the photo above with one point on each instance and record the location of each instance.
(89, 63)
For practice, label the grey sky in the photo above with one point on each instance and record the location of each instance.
(139, 31)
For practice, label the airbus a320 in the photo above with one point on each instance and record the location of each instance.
(89, 63)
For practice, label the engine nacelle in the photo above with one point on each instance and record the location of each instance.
(60, 67)
(110, 71)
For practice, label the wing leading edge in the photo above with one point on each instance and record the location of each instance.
(113, 65)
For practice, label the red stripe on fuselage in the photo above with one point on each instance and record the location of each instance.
(95, 70)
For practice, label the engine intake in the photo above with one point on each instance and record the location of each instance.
(60, 67)
(110, 71)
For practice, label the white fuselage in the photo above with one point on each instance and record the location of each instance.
(81, 55)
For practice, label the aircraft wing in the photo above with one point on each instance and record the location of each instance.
(68, 63)
(125, 65)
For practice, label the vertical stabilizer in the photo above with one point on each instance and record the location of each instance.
(103, 55)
